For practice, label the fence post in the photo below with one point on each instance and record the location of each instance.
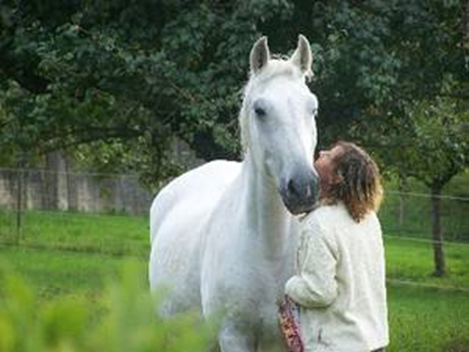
(402, 188)
(19, 206)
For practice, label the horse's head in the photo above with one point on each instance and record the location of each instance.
(278, 123)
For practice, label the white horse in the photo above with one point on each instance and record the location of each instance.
(223, 235)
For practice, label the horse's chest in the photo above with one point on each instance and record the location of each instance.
(257, 308)
(248, 285)
(244, 279)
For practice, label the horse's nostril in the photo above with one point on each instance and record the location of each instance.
(292, 189)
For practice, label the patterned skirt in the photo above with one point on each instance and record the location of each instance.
(289, 314)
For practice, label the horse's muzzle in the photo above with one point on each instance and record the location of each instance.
(300, 194)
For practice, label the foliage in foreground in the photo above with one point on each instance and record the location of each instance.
(124, 322)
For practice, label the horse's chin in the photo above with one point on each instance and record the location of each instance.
(297, 209)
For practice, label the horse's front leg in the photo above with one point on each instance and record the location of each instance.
(235, 338)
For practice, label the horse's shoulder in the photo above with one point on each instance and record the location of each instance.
(199, 188)
(209, 178)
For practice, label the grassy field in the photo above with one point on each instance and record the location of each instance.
(104, 234)
(66, 254)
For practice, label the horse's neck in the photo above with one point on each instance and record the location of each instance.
(265, 212)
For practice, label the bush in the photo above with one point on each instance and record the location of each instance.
(123, 320)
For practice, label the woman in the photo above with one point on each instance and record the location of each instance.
(340, 280)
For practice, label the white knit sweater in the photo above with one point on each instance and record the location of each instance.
(340, 282)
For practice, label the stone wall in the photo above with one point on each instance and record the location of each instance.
(59, 187)
(50, 190)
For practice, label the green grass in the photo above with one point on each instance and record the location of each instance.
(426, 320)
(66, 254)
(110, 234)
(58, 273)
(412, 261)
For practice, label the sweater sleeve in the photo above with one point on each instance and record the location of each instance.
(315, 283)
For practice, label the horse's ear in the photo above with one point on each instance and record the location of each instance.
(260, 55)
(303, 57)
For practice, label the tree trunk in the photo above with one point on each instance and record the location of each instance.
(72, 185)
(20, 198)
(438, 253)
(20, 205)
(56, 181)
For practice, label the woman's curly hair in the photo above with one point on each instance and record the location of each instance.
(359, 182)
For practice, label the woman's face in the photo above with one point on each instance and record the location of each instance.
(325, 166)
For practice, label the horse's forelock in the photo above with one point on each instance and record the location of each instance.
(275, 67)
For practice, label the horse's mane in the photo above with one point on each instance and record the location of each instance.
(279, 66)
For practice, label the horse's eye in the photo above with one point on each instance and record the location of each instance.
(315, 112)
(259, 112)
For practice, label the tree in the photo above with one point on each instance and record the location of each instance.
(100, 71)
(441, 150)
(137, 75)
(429, 143)
(417, 126)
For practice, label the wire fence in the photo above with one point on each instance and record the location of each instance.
(108, 214)
(408, 215)
(37, 193)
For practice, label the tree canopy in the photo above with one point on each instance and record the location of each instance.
(131, 76)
